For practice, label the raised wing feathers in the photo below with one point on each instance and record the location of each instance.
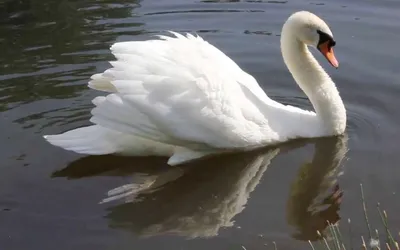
(179, 90)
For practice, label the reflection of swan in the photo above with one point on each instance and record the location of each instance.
(315, 196)
(183, 98)
(200, 198)
(208, 196)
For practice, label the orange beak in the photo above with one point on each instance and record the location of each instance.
(327, 51)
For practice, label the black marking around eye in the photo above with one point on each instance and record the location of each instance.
(323, 38)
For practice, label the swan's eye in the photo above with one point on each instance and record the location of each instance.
(323, 38)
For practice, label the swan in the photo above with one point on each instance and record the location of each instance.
(181, 97)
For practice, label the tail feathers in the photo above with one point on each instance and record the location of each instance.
(182, 155)
(90, 140)
(97, 140)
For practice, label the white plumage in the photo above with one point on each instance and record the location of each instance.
(182, 97)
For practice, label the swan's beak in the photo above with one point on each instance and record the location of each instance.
(327, 51)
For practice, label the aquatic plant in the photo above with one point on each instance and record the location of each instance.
(335, 240)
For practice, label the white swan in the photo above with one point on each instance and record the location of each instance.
(183, 98)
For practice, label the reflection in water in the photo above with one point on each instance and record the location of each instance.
(315, 197)
(193, 200)
(198, 204)
(110, 165)
(200, 198)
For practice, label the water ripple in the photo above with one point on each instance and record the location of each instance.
(363, 126)
(246, 1)
(51, 51)
(199, 11)
(257, 32)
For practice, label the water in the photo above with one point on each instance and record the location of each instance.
(49, 198)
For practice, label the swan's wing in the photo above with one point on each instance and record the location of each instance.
(179, 90)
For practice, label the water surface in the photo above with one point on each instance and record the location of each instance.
(49, 198)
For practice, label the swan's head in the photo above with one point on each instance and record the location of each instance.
(313, 31)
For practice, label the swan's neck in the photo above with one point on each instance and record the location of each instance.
(315, 83)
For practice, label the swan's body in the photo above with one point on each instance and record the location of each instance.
(181, 97)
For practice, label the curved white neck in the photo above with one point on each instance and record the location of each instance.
(315, 83)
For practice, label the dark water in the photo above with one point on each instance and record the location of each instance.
(49, 198)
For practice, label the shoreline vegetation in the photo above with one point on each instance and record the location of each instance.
(335, 239)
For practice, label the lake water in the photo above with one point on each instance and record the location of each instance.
(49, 197)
